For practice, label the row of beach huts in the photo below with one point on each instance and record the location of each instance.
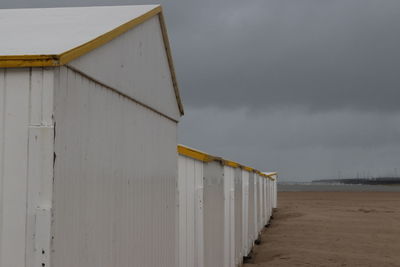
(223, 206)
(90, 171)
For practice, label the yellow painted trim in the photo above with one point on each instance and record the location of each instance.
(249, 169)
(67, 56)
(105, 38)
(195, 154)
(28, 61)
(170, 61)
(201, 156)
(231, 163)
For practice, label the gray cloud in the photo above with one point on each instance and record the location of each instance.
(299, 145)
(319, 55)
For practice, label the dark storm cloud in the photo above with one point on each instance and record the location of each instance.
(313, 54)
(320, 55)
(300, 146)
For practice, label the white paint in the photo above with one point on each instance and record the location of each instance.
(256, 205)
(135, 64)
(52, 31)
(26, 158)
(214, 210)
(252, 209)
(191, 231)
(245, 214)
(115, 179)
(237, 203)
(229, 216)
(238, 221)
(260, 203)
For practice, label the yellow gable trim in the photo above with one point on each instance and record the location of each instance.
(195, 154)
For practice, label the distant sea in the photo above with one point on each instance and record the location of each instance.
(322, 187)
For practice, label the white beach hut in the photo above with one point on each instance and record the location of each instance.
(89, 107)
(220, 207)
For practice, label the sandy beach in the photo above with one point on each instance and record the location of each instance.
(332, 229)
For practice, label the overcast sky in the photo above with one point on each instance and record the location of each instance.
(309, 88)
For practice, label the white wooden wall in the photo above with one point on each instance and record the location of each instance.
(245, 216)
(213, 214)
(229, 218)
(256, 205)
(136, 64)
(275, 193)
(191, 228)
(238, 224)
(26, 158)
(115, 179)
(252, 214)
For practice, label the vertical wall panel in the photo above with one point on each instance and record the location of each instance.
(265, 201)
(190, 186)
(238, 203)
(2, 136)
(256, 205)
(14, 161)
(183, 203)
(251, 215)
(261, 203)
(229, 216)
(213, 214)
(199, 215)
(245, 213)
(40, 167)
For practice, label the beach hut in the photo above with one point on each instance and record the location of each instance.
(89, 106)
(252, 214)
(214, 214)
(273, 176)
(229, 215)
(220, 207)
(191, 210)
(245, 211)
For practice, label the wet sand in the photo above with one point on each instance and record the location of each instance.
(332, 229)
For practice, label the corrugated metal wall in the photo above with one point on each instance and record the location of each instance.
(213, 214)
(245, 217)
(136, 64)
(190, 191)
(238, 202)
(115, 179)
(26, 161)
(229, 218)
(252, 214)
(237, 205)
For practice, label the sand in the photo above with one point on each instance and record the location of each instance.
(332, 229)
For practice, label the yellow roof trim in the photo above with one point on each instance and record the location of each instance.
(195, 154)
(201, 156)
(170, 62)
(67, 56)
(249, 169)
(231, 163)
(105, 38)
